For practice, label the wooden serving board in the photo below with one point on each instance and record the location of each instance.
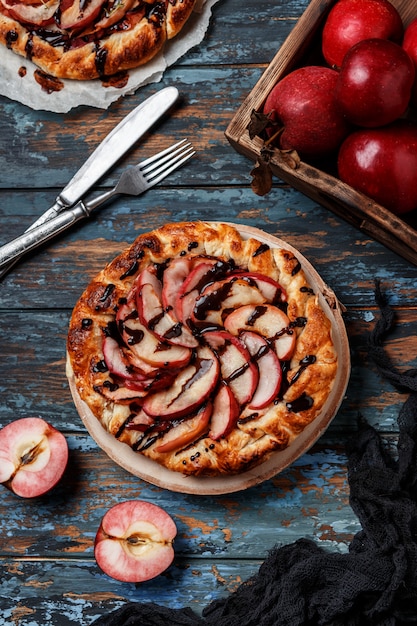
(302, 47)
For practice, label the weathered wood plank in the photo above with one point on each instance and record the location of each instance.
(348, 261)
(69, 593)
(309, 498)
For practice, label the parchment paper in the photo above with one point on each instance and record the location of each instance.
(26, 90)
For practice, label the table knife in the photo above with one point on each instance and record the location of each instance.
(113, 146)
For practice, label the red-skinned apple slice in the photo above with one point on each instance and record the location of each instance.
(145, 345)
(174, 276)
(33, 456)
(134, 542)
(115, 11)
(199, 276)
(141, 421)
(120, 392)
(270, 372)
(223, 296)
(270, 288)
(225, 413)
(268, 321)
(159, 321)
(190, 389)
(75, 14)
(237, 369)
(37, 14)
(187, 431)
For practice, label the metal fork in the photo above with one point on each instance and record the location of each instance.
(133, 181)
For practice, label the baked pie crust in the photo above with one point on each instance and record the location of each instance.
(88, 39)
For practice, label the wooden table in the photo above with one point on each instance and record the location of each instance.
(48, 572)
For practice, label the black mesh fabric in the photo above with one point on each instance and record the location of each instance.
(375, 582)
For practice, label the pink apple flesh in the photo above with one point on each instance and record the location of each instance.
(134, 542)
(189, 390)
(268, 321)
(33, 456)
(270, 372)
(187, 431)
(237, 369)
(225, 413)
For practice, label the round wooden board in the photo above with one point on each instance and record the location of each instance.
(152, 472)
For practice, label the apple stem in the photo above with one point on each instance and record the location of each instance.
(272, 138)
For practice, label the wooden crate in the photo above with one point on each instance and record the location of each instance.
(302, 47)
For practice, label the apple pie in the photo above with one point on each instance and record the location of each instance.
(202, 350)
(88, 39)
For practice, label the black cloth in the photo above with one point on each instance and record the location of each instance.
(375, 582)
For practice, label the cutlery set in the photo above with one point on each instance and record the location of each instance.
(70, 207)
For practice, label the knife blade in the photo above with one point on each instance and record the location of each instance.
(113, 146)
(110, 150)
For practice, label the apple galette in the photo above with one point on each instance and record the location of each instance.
(201, 350)
(87, 39)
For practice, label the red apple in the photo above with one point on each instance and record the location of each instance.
(303, 103)
(382, 164)
(375, 83)
(33, 456)
(410, 46)
(351, 21)
(134, 542)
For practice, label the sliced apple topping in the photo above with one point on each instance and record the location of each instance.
(187, 431)
(145, 344)
(191, 388)
(157, 318)
(237, 368)
(225, 413)
(269, 367)
(223, 296)
(267, 320)
(196, 343)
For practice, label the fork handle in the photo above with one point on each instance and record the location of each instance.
(44, 232)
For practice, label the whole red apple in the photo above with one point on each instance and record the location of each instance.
(33, 456)
(375, 83)
(382, 164)
(303, 103)
(134, 542)
(410, 46)
(351, 21)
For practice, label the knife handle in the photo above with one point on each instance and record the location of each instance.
(42, 233)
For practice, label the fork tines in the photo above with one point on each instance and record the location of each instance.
(160, 165)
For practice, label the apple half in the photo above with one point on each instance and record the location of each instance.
(134, 542)
(33, 456)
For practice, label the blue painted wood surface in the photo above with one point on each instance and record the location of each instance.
(48, 572)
